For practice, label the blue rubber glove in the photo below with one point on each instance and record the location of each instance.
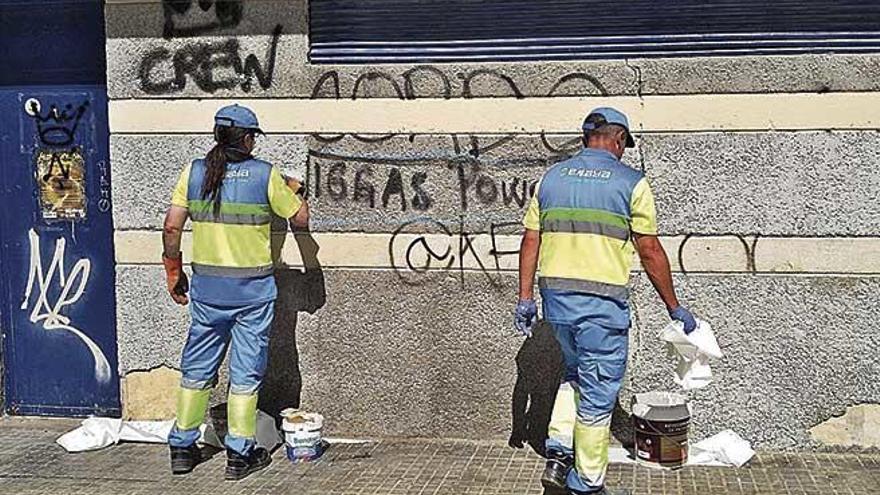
(526, 314)
(683, 315)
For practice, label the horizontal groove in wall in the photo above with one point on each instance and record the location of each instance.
(407, 252)
(680, 113)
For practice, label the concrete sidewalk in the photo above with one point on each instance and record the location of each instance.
(31, 463)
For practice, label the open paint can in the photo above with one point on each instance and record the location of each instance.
(661, 421)
(302, 435)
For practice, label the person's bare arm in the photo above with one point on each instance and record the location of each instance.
(300, 221)
(656, 265)
(528, 263)
(178, 284)
(175, 219)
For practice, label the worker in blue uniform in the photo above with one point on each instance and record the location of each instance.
(588, 217)
(230, 197)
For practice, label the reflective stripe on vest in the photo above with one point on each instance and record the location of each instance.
(230, 213)
(619, 292)
(585, 221)
(575, 227)
(232, 271)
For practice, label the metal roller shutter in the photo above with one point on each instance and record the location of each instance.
(43, 54)
(410, 31)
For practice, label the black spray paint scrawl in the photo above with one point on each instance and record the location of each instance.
(226, 13)
(59, 161)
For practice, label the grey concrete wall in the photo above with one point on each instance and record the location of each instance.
(385, 351)
(382, 357)
(142, 52)
(771, 183)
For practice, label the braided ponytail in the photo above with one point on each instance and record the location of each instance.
(229, 148)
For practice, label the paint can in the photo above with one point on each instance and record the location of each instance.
(661, 421)
(303, 435)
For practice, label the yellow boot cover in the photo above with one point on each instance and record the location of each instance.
(591, 452)
(191, 406)
(242, 415)
(564, 414)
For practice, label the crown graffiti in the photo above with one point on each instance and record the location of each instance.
(227, 13)
(58, 126)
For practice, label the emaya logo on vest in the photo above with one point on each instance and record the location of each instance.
(238, 174)
(586, 173)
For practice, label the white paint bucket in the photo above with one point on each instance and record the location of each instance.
(302, 435)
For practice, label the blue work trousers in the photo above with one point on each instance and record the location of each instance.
(595, 363)
(212, 330)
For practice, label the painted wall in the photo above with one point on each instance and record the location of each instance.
(395, 314)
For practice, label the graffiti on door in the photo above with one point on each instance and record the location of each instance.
(59, 161)
(71, 286)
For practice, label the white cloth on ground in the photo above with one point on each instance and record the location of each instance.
(97, 433)
(726, 447)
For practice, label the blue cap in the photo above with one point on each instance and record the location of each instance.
(607, 115)
(237, 116)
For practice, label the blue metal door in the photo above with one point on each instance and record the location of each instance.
(56, 259)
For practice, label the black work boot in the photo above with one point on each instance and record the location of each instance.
(614, 491)
(239, 466)
(602, 491)
(556, 471)
(184, 459)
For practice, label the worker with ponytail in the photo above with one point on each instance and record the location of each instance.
(230, 197)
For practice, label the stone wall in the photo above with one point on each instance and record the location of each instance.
(395, 314)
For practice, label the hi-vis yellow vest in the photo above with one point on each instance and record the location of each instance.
(587, 208)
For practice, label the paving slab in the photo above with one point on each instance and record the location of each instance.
(31, 463)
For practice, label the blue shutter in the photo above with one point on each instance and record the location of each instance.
(414, 31)
(66, 47)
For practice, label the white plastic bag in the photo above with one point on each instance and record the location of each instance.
(146, 431)
(693, 352)
(95, 433)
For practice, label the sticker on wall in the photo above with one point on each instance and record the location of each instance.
(62, 187)
(60, 158)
